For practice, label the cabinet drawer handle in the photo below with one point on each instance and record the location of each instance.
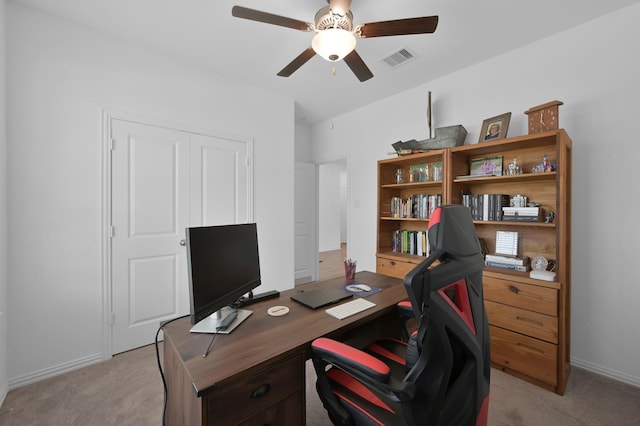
(531, 348)
(538, 323)
(515, 290)
(261, 391)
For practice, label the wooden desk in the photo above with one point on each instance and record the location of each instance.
(256, 374)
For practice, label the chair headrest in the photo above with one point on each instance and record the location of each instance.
(452, 233)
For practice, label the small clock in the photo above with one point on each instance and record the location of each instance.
(543, 117)
(540, 263)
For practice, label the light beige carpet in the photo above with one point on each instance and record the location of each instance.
(127, 390)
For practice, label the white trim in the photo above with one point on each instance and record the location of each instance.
(607, 372)
(57, 370)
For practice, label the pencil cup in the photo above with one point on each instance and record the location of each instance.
(349, 270)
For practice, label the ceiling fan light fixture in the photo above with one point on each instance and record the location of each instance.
(333, 44)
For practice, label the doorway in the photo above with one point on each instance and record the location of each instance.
(333, 229)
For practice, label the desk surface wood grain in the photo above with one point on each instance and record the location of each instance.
(262, 340)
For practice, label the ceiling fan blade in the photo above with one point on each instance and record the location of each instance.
(357, 65)
(426, 24)
(299, 61)
(269, 18)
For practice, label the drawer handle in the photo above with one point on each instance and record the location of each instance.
(538, 323)
(393, 263)
(515, 290)
(531, 348)
(261, 391)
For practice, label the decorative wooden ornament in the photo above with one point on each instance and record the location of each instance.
(543, 117)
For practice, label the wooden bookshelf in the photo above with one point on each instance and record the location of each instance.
(529, 318)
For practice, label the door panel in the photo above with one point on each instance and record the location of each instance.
(150, 205)
(216, 160)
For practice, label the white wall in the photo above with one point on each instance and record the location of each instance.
(59, 78)
(594, 70)
(4, 381)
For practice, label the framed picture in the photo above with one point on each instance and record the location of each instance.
(487, 166)
(495, 128)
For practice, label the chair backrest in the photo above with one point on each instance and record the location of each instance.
(448, 359)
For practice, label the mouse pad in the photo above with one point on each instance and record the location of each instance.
(360, 293)
(320, 297)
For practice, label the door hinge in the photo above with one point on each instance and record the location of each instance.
(111, 231)
(111, 318)
(111, 143)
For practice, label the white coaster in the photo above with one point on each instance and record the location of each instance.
(278, 311)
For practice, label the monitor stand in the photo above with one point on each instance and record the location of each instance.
(210, 324)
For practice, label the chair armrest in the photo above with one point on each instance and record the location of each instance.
(351, 359)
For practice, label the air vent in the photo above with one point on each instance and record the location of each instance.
(399, 57)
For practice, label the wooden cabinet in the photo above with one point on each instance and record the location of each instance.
(529, 319)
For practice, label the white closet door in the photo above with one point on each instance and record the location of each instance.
(150, 210)
(164, 181)
(220, 181)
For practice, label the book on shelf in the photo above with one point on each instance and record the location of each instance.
(487, 207)
(519, 268)
(507, 243)
(416, 206)
(410, 242)
(511, 260)
(522, 214)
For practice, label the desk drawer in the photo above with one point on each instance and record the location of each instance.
(229, 404)
(525, 296)
(393, 268)
(544, 327)
(529, 356)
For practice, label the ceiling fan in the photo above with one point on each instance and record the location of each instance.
(336, 35)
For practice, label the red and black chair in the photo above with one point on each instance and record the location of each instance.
(440, 376)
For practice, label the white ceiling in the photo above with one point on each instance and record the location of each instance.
(204, 33)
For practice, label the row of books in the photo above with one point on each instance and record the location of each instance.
(486, 206)
(418, 206)
(410, 242)
(514, 263)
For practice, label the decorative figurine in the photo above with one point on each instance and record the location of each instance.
(513, 168)
(550, 217)
(544, 166)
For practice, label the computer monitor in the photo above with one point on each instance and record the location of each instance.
(223, 264)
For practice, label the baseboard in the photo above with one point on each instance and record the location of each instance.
(607, 372)
(3, 394)
(54, 371)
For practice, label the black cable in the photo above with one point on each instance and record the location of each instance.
(164, 381)
(206, 352)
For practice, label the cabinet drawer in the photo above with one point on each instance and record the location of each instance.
(393, 268)
(229, 403)
(525, 296)
(544, 327)
(529, 356)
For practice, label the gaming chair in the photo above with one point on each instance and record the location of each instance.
(440, 376)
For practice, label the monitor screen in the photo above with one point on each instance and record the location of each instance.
(223, 264)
